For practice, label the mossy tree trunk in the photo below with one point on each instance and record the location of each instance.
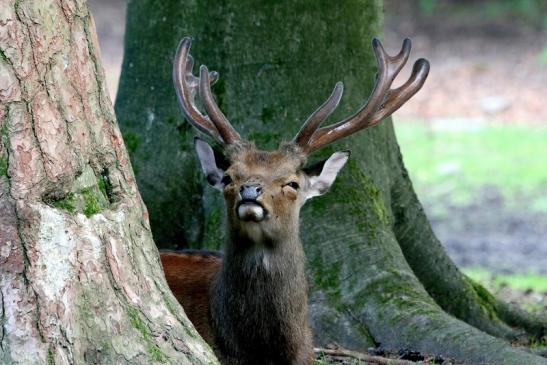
(80, 277)
(378, 274)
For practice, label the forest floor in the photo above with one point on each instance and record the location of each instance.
(474, 139)
(335, 355)
(484, 188)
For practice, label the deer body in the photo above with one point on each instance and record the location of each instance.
(190, 275)
(251, 305)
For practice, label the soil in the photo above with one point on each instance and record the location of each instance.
(482, 69)
(511, 239)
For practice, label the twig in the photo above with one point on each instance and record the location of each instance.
(362, 356)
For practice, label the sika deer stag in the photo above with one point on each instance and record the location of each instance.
(251, 303)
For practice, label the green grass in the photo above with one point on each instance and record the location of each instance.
(531, 281)
(458, 162)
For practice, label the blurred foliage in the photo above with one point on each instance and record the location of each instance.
(458, 159)
(427, 7)
(532, 13)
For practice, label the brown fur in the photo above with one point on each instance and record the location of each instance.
(189, 275)
(251, 306)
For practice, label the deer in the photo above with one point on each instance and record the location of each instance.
(250, 302)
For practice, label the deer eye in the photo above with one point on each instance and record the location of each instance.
(294, 185)
(226, 180)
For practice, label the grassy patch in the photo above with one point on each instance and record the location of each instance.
(531, 281)
(459, 161)
(529, 291)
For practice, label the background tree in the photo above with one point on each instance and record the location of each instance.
(80, 278)
(379, 275)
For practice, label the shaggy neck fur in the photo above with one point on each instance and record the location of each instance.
(259, 301)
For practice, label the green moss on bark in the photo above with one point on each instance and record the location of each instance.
(153, 350)
(3, 166)
(91, 202)
(50, 358)
(67, 203)
(90, 195)
(486, 299)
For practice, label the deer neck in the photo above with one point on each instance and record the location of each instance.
(252, 253)
(259, 301)
(267, 278)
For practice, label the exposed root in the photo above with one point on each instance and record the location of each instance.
(343, 356)
(534, 325)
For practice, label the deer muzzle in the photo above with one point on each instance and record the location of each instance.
(249, 208)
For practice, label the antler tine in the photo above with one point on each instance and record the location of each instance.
(186, 86)
(396, 98)
(225, 129)
(382, 102)
(318, 116)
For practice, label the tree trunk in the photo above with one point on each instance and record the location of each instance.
(80, 276)
(378, 274)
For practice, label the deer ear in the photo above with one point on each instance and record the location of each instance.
(208, 164)
(320, 182)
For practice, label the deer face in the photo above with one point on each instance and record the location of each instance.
(264, 190)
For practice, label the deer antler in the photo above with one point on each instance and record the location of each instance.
(382, 102)
(214, 124)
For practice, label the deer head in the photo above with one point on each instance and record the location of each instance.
(264, 190)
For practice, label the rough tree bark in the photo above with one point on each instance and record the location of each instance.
(378, 273)
(80, 276)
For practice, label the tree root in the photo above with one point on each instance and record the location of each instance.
(534, 325)
(342, 354)
(452, 290)
(414, 323)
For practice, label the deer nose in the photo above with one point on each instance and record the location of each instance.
(250, 191)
